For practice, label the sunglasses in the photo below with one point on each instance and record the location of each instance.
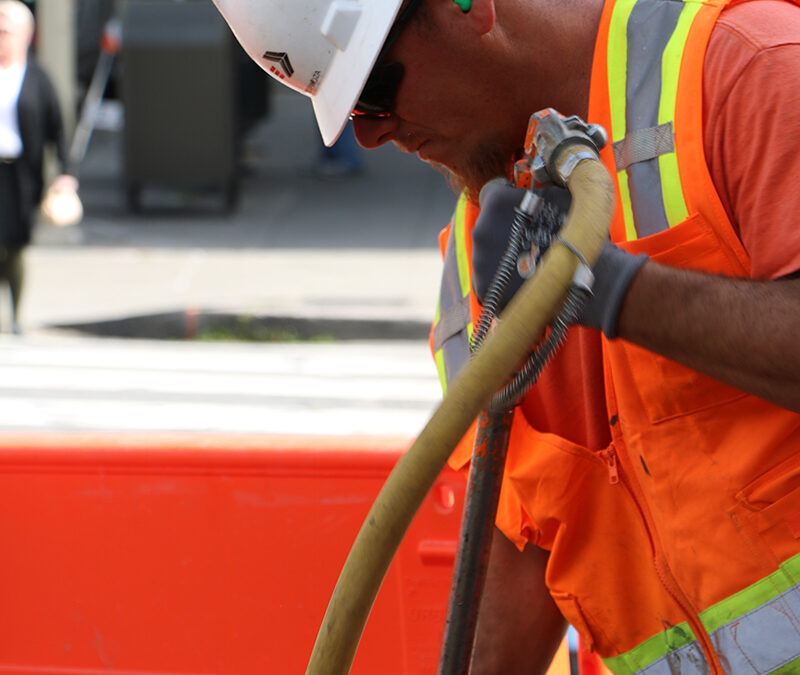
(380, 91)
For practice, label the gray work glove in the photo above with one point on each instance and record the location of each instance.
(492, 229)
(613, 272)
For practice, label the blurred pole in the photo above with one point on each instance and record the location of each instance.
(110, 46)
(56, 52)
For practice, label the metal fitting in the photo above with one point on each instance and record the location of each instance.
(583, 278)
(531, 203)
(550, 134)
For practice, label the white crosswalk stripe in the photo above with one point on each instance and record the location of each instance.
(65, 383)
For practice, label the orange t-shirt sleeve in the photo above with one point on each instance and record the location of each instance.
(752, 129)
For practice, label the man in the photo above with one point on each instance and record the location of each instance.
(652, 495)
(29, 118)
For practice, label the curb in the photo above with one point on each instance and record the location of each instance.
(194, 324)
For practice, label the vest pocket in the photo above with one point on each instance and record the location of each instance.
(666, 388)
(692, 244)
(767, 513)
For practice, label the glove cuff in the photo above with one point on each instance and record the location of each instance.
(613, 272)
(627, 267)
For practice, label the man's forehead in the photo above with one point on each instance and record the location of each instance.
(9, 22)
(13, 21)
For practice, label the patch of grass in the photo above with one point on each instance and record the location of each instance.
(246, 330)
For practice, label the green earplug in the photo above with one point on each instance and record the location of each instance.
(464, 4)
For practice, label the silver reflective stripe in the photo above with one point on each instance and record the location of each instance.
(450, 333)
(643, 145)
(760, 641)
(765, 638)
(456, 355)
(450, 292)
(651, 25)
(451, 322)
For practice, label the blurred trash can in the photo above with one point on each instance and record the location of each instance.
(182, 98)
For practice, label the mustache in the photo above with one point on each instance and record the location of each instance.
(409, 142)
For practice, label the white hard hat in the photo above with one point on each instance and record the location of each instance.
(324, 49)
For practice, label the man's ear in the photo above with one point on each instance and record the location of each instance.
(482, 14)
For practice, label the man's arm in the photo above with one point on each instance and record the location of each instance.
(519, 625)
(744, 333)
(54, 133)
(53, 121)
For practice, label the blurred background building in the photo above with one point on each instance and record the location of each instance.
(188, 91)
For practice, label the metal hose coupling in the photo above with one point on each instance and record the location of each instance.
(549, 135)
(524, 319)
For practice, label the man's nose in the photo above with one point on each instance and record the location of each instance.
(372, 132)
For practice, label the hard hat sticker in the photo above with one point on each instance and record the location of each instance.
(282, 60)
(314, 82)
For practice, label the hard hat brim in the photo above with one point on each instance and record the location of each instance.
(339, 91)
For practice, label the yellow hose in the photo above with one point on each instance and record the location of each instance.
(523, 321)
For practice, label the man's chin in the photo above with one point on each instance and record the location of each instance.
(455, 182)
(482, 168)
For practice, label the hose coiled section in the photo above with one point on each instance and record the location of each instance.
(510, 394)
(538, 222)
(502, 277)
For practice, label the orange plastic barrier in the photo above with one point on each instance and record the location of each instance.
(590, 664)
(205, 553)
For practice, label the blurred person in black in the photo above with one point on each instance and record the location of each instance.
(30, 118)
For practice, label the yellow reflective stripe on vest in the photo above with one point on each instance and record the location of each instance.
(438, 354)
(452, 327)
(756, 630)
(459, 231)
(643, 68)
(618, 67)
(617, 86)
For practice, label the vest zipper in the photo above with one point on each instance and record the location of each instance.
(610, 457)
(668, 581)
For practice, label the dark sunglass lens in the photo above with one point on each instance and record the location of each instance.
(381, 89)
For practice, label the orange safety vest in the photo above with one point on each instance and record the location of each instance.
(677, 547)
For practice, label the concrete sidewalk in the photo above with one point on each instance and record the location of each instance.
(91, 285)
(360, 248)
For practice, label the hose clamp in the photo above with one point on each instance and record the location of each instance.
(583, 278)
